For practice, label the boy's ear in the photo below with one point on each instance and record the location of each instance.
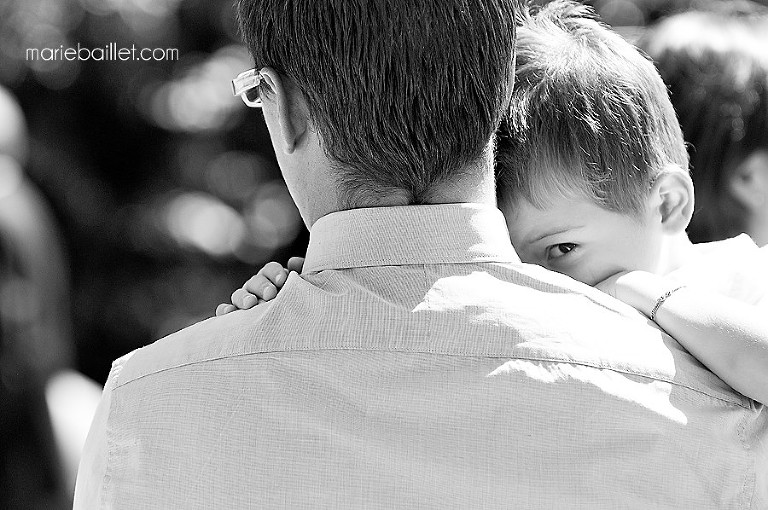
(292, 113)
(672, 199)
(749, 182)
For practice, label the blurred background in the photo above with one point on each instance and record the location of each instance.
(134, 197)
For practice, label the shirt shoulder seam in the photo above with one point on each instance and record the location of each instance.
(597, 366)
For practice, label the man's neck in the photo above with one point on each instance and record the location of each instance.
(474, 184)
(315, 186)
(476, 187)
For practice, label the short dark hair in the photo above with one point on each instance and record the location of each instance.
(589, 115)
(404, 95)
(716, 67)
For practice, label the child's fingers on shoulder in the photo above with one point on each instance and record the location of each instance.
(261, 287)
(243, 299)
(274, 272)
(224, 308)
(295, 264)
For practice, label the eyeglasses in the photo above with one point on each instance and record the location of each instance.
(246, 85)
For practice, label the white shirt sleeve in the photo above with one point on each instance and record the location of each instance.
(91, 475)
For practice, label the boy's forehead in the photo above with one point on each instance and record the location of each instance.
(529, 223)
(546, 185)
(527, 216)
(552, 180)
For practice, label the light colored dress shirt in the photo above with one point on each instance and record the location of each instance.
(416, 363)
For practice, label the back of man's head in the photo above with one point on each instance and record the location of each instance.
(405, 96)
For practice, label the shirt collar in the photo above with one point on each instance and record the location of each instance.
(404, 235)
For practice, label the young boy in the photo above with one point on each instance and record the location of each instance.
(592, 177)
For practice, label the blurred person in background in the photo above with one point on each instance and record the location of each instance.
(715, 62)
(45, 407)
(164, 186)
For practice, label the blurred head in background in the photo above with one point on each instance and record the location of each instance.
(402, 98)
(715, 63)
(13, 129)
(35, 340)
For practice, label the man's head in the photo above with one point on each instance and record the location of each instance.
(590, 124)
(401, 97)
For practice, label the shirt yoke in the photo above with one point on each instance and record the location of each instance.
(475, 310)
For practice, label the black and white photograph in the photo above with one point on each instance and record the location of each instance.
(377, 254)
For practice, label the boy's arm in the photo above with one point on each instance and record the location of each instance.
(728, 336)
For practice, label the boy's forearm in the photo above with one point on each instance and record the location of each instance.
(724, 334)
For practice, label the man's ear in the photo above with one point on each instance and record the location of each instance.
(748, 183)
(292, 113)
(672, 198)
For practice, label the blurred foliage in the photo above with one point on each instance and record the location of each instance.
(164, 184)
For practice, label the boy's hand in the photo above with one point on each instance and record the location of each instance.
(609, 284)
(261, 287)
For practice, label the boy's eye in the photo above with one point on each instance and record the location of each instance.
(559, 250)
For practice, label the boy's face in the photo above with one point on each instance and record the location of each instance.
(578, 238)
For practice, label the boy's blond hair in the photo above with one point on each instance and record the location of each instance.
(590, 115)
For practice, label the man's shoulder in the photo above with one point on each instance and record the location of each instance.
(560, 320)
(507, 311)
(211, 339)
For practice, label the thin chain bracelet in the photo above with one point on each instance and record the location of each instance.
(661, 300)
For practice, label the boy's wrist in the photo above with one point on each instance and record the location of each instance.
(641, 289)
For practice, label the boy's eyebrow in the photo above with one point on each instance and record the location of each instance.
(548, 233)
